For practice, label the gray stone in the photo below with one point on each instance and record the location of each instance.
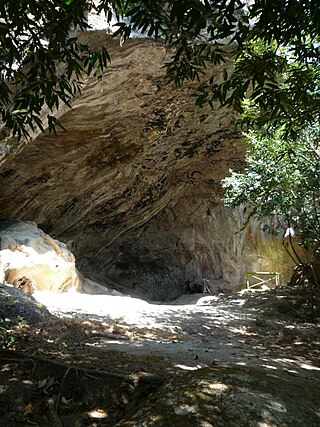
(18, 306)
(232, 396)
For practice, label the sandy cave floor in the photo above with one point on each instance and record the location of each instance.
(271, 328)
(104, 355)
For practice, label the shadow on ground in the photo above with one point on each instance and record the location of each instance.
(100, 370)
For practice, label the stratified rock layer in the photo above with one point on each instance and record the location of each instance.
(133, 185)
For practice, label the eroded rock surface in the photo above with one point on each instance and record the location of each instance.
(231, 396)
(32, 260)
(133, 185)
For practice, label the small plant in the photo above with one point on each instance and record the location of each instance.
(22, 321)
(6, 340)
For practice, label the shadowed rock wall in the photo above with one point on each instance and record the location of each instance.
(132, 186)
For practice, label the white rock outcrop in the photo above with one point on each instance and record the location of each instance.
(26, 251)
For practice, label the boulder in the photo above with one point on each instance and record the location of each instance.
(16, 305)
(32, 260)
(225, 396)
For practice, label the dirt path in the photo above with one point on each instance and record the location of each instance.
(106, 357)
(196, 331)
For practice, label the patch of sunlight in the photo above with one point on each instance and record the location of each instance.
(184, 410)
(241, 330)
(188, 368)
(153, 418)
(131, 309)
(98, 413)
(270, 367)
(263, 424)
(34, 257)
(103, 343)
(309, 367)
(302, 364)
(204, 423)
(292, 371)
(27, 382)
(3, 389)
(240, 302)
(284, 360)
(220, 387)
(276, 406)
(149, 336)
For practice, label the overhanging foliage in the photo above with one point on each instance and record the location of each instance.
(42, 65)
(282, 178)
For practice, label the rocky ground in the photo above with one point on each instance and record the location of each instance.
(103, 355)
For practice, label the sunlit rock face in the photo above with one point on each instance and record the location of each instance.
(32, 260)
(133, 185)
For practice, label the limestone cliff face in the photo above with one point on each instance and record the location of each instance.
(132, 186)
